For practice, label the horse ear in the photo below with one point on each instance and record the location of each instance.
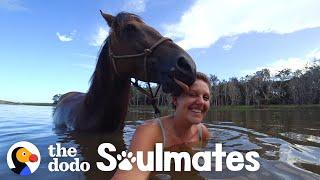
(109, 18)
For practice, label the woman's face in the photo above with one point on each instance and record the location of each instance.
(194, 104)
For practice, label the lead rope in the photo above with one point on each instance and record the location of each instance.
(152, 97)
(145, 53)
(154, 101)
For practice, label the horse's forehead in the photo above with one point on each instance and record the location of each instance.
(121, 25)
(131, 21)
(125, 18)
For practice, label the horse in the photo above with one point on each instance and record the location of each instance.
(132, 49)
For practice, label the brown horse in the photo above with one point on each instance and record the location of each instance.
(132, 50)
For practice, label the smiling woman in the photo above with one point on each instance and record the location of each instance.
(183, 127)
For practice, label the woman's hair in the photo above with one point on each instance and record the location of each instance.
(199, 76)
(204, 78)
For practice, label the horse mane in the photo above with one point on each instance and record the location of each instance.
(107, 91)
(106, 102)
(101, 74)
(103, 65)
(103, 71)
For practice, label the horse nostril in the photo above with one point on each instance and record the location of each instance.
(183, 64)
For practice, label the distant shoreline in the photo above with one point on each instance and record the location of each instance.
(25, 103)
(237, 108)
(219, 108)
(264, 107)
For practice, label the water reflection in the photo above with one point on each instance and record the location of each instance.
(288, 141)
(290, 137)
(87, 145)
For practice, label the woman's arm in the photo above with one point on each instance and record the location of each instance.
(144, 139)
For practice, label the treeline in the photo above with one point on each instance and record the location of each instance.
(261, 88)
(285, 87)
(137, 98)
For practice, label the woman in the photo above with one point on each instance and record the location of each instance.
(183, 127)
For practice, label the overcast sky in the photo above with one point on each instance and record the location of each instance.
(51, 47)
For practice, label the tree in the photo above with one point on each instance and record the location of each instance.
(56, 98)
(234, 91)
(281, 86)
(286, 87)
(214, 89)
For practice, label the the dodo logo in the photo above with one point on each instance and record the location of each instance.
(23, 158)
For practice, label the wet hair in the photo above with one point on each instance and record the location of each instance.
(199, 76)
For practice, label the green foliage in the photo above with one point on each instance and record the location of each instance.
(56, 98)
(286, 87)
(257, 90)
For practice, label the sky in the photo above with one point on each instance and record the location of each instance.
(51, 47)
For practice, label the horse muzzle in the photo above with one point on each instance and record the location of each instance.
(181, 76)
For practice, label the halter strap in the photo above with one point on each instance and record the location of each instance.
(145, 53)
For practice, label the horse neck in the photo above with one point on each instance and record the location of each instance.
(108, 109)
(107, 100)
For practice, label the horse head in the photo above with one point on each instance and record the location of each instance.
(132, 50)
(139, 51)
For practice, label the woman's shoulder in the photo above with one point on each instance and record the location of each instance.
(149, 131)
(151, 122)
(205, 131)
(149, 125)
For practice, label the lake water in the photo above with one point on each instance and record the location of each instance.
(288, 141)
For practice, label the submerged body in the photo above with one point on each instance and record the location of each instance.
(66, 111)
